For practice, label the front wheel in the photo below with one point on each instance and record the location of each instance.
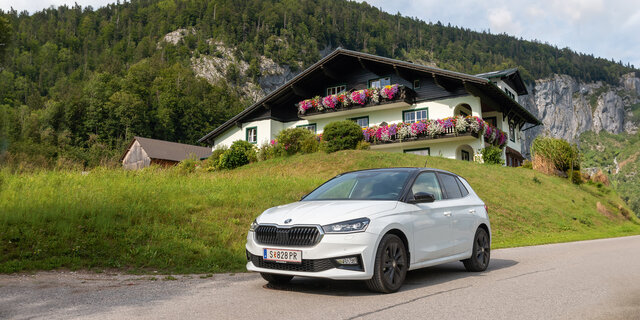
(390, 267)
(481, 252)
(276, 278)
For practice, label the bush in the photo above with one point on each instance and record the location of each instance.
(211, 163)
(188, 165)
(297, 140)
(269, 151)
(492, 155)
(576, 177)
(240, 153)
(527, 164)
(563, 155)
(342, 135)
(363, 145)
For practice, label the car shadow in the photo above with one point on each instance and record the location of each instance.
(415, 279)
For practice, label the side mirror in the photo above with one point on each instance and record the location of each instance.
(421, 197)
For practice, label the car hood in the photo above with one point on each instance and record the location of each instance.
(324, 212)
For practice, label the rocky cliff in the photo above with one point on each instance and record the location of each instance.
(568, 107)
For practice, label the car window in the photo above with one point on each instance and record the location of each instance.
(427, 182)
(450, 186)
(463, 189)
(366, 185)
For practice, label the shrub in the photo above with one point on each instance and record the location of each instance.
(363, 145)
(342, 135)
(188, 165)
(492, 155)
(211, 163)
(527, 164)
(270, 150)
(240, 153)
(562, 155)
(576, 177)
(297, 140)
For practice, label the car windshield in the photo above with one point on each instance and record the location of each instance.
(364, 185)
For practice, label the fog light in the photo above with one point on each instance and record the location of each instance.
(347, 261)
(248, 255)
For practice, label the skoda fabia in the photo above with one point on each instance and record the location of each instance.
(373, 225)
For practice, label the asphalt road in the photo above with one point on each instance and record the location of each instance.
(597, 279)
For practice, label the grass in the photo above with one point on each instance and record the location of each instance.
(162, 220)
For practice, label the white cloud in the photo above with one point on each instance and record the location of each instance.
(501, 20)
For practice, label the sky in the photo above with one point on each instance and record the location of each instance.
(604, 28)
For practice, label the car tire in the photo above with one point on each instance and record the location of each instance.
(481, 252)
(276, 278)
(391, 265)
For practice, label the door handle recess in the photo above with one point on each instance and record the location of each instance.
(472, 210)
(447, 213)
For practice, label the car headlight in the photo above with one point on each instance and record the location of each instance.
(357, 225)
(253, 226)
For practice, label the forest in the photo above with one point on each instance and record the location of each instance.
(76, 83)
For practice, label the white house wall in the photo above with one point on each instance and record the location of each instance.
(265, 133)
(503, 85)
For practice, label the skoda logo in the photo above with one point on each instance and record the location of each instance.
(287, 221)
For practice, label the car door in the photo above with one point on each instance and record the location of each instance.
(462, 212)
(432, 221)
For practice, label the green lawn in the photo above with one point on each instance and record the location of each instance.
(163, 220)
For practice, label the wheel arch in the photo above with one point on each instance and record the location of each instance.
(486, 228)
(400, 234)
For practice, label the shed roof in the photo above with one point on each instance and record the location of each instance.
(166, 150)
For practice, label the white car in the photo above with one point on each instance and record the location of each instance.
(373, 225)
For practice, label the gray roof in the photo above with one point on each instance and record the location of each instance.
(498, 73)
(166, 150)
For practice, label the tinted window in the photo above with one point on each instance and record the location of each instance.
(463, 189)
(450, 186)
(427, 182)
(367, 185)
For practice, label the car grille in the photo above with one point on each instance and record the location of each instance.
(307, 265)
(294, 236)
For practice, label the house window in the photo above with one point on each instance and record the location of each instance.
(252, 135)
(379, 83)
(464, 114)
(311, 127)
(420, 152)
(512, 132)
(411, 116)
(416, 84)
(491, 120)
(465, 155)
(361, 121)
(336, 89)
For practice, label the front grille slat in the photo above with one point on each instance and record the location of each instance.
(307, 265)
(293, 236)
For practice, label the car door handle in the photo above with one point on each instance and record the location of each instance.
(472, 210)
(447, 213)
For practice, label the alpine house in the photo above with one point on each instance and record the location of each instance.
(401, 106)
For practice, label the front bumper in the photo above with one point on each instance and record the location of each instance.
(317, 260)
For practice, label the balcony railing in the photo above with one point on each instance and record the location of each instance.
(353, 100)
(435, 129)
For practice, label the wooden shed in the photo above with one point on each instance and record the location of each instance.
(143, 152)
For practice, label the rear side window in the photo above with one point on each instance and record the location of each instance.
(463, 189)
(427, 182)
(450, 186)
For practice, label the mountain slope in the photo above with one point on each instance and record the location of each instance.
(77, 83)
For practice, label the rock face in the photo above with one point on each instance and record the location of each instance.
(218, 66)
(568, 108)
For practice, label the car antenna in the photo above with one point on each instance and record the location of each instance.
(425, 163)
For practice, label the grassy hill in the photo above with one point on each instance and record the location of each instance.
(174, 222)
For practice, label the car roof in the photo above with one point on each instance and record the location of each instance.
(400, 169)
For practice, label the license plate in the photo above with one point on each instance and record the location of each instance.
(282, 255)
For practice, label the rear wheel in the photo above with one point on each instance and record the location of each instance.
(390, 267)
(276, 278)
(481, 252)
